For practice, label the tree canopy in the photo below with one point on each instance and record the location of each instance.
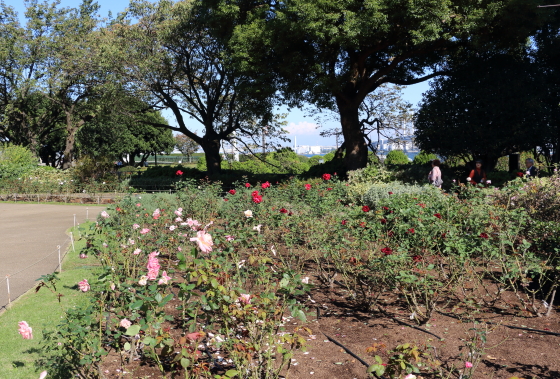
(177, 59)
(334, 53)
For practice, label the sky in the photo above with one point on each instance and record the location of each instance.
(300, 124)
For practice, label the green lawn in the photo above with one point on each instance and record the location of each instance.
(42, 311)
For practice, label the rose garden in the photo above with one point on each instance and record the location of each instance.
(421, 241)
(303, 278)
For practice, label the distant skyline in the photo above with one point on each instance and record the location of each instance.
(300, 124)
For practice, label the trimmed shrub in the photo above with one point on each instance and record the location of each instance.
(397, 157)
(423, 158)
(380, 191)
(16, 161)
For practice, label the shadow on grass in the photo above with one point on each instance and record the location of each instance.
(18, 364)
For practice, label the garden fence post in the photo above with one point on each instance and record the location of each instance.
(74, 220)
(72, 240)
(59, 261)
(8, 285)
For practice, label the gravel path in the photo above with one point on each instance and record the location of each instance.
(29, 236)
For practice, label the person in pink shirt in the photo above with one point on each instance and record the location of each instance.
(434, 177)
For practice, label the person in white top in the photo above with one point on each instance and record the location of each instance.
(434, 177)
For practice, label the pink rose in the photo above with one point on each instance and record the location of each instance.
(244, 298)
(308, 187)
(164, 278)
(125, 323)
(468, 364)
(25, 330)
(204, 241)
(83, 285)
(145, 231)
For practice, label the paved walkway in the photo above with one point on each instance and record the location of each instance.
(29, 236)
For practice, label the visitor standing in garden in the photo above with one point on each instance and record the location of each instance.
(531, 169)
(478, 175)
(434, 177)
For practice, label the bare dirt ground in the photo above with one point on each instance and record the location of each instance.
(29, 237)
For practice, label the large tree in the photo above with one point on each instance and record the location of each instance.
(546, 55)
(27, 118)
(177, 59)
(123, 138)
(335, 53)
(487, 108)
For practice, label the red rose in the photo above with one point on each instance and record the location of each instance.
(289, 214)
(329, 189)
(437, 215)
(257, 199)
(386, 208)
(417, 258)
(265, 185)
(484, 235)
(365, 208)
(387, 251)
(255, 193)
(308, 187)
(343, 222)
(283, 210)
(179, 173)
(247, 185)
(326, 176)
(363, 224)
(520, 174)
(411, 231)
(232, 191)
(390, 193)
(383, 221)
(443, 235)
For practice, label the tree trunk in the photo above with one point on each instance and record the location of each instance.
(212, 154)
(72, 129)
(356, 146)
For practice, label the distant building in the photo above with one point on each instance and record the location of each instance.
(405, 144)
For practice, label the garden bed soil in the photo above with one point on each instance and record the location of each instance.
(510, 352)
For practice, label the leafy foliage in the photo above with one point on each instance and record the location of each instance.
(395, 157)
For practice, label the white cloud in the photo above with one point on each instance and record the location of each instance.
(302, 128)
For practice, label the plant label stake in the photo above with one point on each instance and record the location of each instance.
(59, 262)
(72, 240)
(8, 285)
(87, 213)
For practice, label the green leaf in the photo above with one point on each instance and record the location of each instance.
(231, 373)
(133, 330)
(127, 346)
(185, 362)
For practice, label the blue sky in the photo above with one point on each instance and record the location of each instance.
(300, 124)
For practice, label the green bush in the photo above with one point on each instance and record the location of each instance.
(423, 158)
(314, 160)
(397, 157)
(380, 191)
(16, 161)
(359, 181)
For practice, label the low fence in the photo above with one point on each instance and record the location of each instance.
(16, 283)
(171, 160)
(76, 198)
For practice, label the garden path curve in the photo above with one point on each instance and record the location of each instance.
(29, 236)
